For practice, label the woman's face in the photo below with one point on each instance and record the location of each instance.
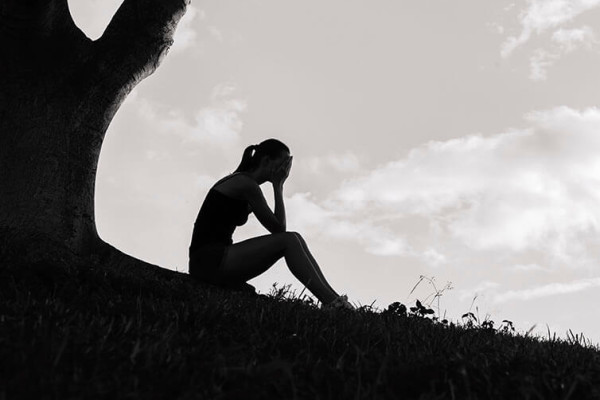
(279, 161)
(276, 163)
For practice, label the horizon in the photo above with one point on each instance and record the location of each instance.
(449, 140)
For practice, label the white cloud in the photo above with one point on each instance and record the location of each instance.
(432, 257)
(305, 214)
(374, 238)
(223, 96)
(220, 123)
(567, 41)
(496, 28)
(541, 15)
(311, 218)
(222, 92)
(527, 267)
(347, 162)
(185, 35)
(571, 39)
(531, 189)
(551, 289)
(539, 63)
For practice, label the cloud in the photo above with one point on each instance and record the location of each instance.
(375, 238)
(552, 289)
(566, 41)
(347, 162)
(539, 63)
(220, 123)
(496, 27)
(527, 267)
(542, 15)
(532, 189)
(185, 35)
(571, 39)
(308, 216)
(432, 257)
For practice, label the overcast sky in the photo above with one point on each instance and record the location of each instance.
(457, 140)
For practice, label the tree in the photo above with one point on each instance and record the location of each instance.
(59, 91)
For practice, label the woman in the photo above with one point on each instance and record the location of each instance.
(214, 258)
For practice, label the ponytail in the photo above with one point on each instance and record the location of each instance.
(254, 153)
(247, 159)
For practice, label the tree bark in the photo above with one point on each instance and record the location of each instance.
(59, 91)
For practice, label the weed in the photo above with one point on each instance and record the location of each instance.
(436, 295)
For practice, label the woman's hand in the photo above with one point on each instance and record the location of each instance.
(282, 173)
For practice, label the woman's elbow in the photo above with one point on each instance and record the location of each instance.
(278, 229)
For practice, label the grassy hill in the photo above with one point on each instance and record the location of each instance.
(98, 333)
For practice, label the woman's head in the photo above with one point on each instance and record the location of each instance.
(266, 151)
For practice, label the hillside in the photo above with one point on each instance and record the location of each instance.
(91, 332)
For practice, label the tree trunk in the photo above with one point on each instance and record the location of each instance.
(59, 91)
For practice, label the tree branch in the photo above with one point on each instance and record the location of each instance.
(137, 38)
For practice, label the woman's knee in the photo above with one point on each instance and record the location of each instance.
(289, 239)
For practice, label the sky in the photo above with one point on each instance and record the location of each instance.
(459, 141)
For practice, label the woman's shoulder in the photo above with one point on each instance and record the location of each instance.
(235, 185)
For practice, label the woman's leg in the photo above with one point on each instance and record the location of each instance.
(312, 259)
(250, 258)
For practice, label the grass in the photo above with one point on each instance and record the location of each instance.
(98, 333)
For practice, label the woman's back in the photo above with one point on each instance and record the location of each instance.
(219, 215)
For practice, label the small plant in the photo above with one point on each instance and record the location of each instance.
(396, 308)
(488, 325)
(471, 320)
(506, 327)
(420, 310)
(367, 308)
(437, 293)
(280, 293)
(286, 293)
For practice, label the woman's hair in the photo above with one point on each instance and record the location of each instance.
(271, 148)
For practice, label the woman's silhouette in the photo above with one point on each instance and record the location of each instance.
(214, 258)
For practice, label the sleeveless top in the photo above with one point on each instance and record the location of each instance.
(218, 218)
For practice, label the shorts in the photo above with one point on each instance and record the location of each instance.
(205, 262)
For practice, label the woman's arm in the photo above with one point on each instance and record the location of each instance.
(279, 206)
(273, 222)
(279, 179)
(254, 195)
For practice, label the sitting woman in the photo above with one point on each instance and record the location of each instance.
(214, 258)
